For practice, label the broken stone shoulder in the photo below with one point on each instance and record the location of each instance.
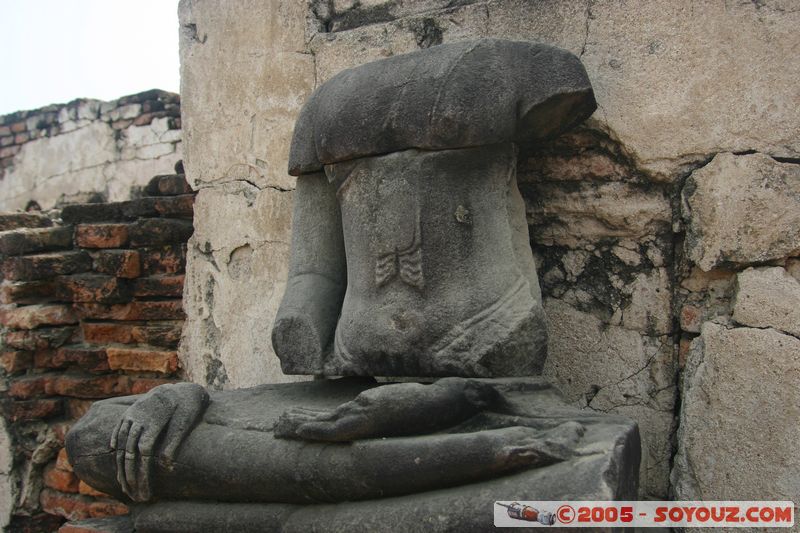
(410, 247)
(518, 430)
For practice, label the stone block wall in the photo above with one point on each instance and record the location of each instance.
(87, 150)
(642, 220)
(91, 308)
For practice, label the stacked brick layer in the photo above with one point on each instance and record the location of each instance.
(91, 308)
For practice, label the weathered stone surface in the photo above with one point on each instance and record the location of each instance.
(735, 438)
(617, 370)
(664, 68)
(249, 131)
(8, 485)
(742, 209)
(26, 241)
(229, 317)
(768, 298)
(552, 450)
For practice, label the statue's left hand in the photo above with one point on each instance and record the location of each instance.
(153, 428)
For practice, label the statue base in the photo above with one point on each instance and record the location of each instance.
(250, 464)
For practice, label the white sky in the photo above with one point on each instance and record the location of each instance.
(53, 51)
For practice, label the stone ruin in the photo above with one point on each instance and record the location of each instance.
(409, 260)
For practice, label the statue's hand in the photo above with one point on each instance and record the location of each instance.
(153, 428)
(390, 411)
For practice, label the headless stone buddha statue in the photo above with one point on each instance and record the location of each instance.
(410, 258)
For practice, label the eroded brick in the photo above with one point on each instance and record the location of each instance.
(181, 206)
(61, 480)
(119, 263)
(142, 360)
(32, 409)
(138, 310)
(17, 361)
(26, 292)
(34, 240)
(9, 221)
(167, 286)
(159, 260)
(102, 235)
(38, 339)
(43, 266)
(157, 231)
(92, 288)
(168, 185)
(33, 316)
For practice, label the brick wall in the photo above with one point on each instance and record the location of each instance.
(87, 150)
(91, 308)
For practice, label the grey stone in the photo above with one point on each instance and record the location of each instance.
(518, 428)
(438, 283)
(719, 203)
(737, 436)
(471, 93)
(768, 297)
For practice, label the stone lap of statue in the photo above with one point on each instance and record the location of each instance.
(410, 257)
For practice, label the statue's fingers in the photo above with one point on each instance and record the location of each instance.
(131, 460)
(343, 429)
(145, 467)
(122, 437)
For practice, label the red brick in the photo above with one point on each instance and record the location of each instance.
(157, 231)
(169, 259)
(691, 318)
(92, 288)
(88, 213)
(119, 263)
(88, 490)
(90, 358)
(62, 460)
(142, 360)
(32, 409)
(78, 507)
(10, 221)
(143, 385)
(159, 286)
(121, 124)
(21, 138)
(16, 361)
(43, 266)
(181, 206)
(61, 480)
(166, 333)
(94, 387)
(33, 316)
(28, 387)
(18, 127)
(101, 235)
(38, 339)
(35, 523)
(5, 130)
(33, 240)
(26, 292)
(7, 140)
(138, 310)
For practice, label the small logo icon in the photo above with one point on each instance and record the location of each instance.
(529, 514)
